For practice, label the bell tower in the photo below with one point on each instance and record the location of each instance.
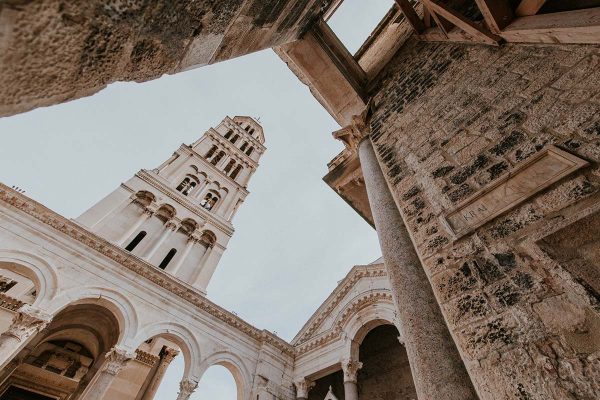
(178, 216)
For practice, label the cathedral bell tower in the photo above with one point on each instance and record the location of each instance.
(178, 216)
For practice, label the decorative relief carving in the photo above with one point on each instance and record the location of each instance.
(27, 322)
(303, 387)
(145, 358)
(186, 388)
(115, 360)
(352, 134)
(350, 368)
(527, 179)
(10, 303)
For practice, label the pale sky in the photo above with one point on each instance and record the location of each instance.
(295, 238)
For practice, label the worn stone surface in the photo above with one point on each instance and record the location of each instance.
(450, 119)
(53, 51)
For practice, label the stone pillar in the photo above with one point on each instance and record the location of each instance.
(170, 227)
(25, 324)
(207, 266)
(192, 240)
(186, 388)
(114, 361)
(226, 206)
(437, 369)
(167, 356)
(303, 386)
(135, 226)
(350, 368)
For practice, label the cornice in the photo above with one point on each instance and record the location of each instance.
(356, 273)
(69, 228)
(185, 202)
(10, 303)
(335, 332)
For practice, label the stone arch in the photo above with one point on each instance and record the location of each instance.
(145, 197)
(41, 273)
(208, 237)
(182, 337)
(188, 225)
(117, 303)
(166, 212)
(235, 365)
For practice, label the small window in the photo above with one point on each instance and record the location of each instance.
(247, 128)
(136, 240)
(184, 184)
(209, 201)
(217, 158)
(235, 172)
(189, 187)
(228, 134)
(211, 152)
(163, 264)
(234, 139)
(244, 145)
(251, 131)
(229, 166)
(249, 151)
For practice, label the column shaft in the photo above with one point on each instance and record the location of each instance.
(437, 369)
(168, 229)
(115, 360)
(134, 227)
(350, 391)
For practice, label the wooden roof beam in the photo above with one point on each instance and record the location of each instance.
(497, 13)
(529, 7)
(411, 15)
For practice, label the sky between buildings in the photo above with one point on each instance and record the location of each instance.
(295, 238)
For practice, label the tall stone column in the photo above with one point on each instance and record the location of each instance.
(192, 240)
(167, 356)
(135, 226)
(170, 227)
(186, 388)
(437, 369)
(114, 361)
(303, 386)
(25, 324)
(350, 368)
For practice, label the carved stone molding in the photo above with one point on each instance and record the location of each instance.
(350, 368)
(115, 360)
(352, 134)
(169, 354)
(145, 358)
(9, 303)
(303, 387)
(26, 322)
(186, 388)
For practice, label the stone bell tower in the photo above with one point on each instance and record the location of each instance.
(178, 216)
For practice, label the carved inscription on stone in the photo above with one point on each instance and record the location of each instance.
(524, 181)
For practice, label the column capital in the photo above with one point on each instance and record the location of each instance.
(352, 134)
(27, 321)
(172, 224)
(303, 386)
(350, 368)
(169, 354)
(186, 388)
(116, 359)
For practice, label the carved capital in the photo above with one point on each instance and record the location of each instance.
(186, 388)
(359, 129)
(115, 360)
(26, 322)
(169, 354)
(172, 225)
(350, 368)
(303, 386)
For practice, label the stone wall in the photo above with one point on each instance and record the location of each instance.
(53, 50)
(385, 374)
(449, 119)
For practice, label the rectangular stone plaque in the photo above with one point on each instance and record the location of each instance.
(527, 178)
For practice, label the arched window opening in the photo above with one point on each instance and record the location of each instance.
(209, 201)
(234, 139)
(228, 134)
(251, 131)
(229, 166)
(235, 172)
(218, 381)
(217, 158)
(247, 128)
(136, 240)
(163, 264)
(211, 152)
(189, 187)
(184, 184)
(249, 151)
(244, 145)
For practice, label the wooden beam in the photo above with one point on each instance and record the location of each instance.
(443, 25)
(426, 17)
(478, 32)
(411, 15)
(529, 7)
(496, 13)
(579, 26)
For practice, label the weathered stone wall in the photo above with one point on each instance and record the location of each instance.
(386, 372)
(449, 119)
(53, 50)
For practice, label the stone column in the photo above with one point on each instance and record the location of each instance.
(170, 227)
(186, 388)
(25, 324)
(437, 369)
(350, 368)
(192, 240)
(167, 356)
(207, 266)
(303, 386)
(114, 361)
(135, 226)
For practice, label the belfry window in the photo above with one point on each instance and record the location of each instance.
(235, 138)
(249, 151)
(229, 166)
(136, 240)
(211, 152)
(247, 128)
(244, 145)
(184, 184)
(217, 158)
(189, 187)
(235, 172)
(209, 201)
(228, 134)
(163, 264)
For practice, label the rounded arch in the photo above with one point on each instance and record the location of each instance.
(209, 237)
(117, 303)
(166, 211)
(182, 337)
(235, 365)
(145, 197)
(42, 274)
(188, 225)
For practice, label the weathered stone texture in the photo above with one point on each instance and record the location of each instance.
(53, 51)
(448, 120)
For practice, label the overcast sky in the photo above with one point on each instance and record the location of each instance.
(295, 238)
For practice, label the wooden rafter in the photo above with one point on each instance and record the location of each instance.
(480, 33)
(496, 13)
(529, 7)
(411, 15)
